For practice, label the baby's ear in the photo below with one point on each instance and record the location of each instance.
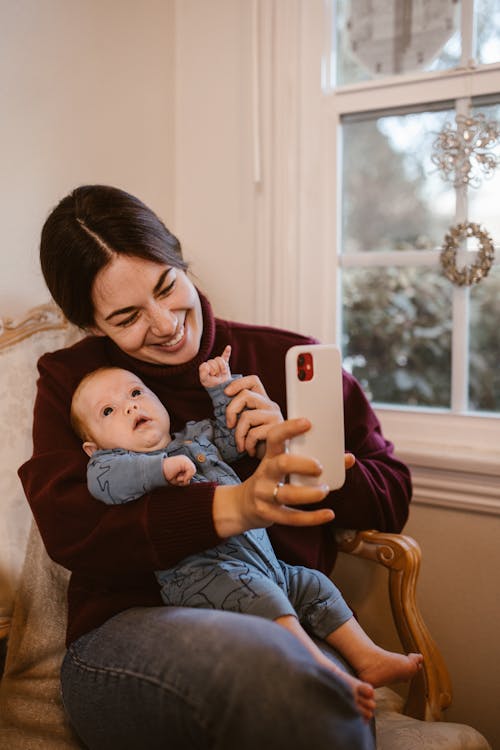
(89, 447)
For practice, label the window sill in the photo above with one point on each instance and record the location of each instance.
(455, 459)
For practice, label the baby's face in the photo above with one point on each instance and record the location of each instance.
(119, 411)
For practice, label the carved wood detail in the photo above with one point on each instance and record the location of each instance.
(45, 317)
(4, 627)
(430, 691)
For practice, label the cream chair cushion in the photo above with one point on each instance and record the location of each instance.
(31, 715)
(31, 712)
(395, 731)
(18, 375)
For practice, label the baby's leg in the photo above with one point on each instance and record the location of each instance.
(371, 662)
(363, 692)
(321, 607)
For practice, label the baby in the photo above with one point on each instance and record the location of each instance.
(125, 430)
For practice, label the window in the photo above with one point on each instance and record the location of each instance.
(401, 317)
(426, 350)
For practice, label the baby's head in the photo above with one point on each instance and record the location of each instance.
(112, 408)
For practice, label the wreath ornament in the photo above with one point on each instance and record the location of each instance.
(475, 272)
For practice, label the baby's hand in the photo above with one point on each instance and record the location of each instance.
(216, 371)
(178, 470)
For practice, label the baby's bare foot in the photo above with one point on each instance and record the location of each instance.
(364, 695)
(385, 667)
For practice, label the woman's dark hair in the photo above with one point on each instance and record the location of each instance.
(85, 231)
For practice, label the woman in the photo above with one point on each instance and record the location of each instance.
(136, 674)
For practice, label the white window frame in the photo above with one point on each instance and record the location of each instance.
(455, 456)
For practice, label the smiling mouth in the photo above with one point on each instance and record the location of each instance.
(174, 340)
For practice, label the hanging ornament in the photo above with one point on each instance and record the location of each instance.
(462, 154)
(473, 274)
(392, 37)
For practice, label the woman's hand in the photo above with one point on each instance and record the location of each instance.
(251, 412)
(262, 500)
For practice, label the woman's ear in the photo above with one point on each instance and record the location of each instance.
(94, 331)
(89, 447)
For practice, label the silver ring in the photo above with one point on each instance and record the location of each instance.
(275, 491)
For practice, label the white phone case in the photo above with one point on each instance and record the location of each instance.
(314, 390)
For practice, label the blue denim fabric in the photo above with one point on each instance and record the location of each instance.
(243, 574)
(185, 679)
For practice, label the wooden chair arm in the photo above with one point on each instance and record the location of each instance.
(430, 690)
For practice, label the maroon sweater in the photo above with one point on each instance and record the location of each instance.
(113, 551)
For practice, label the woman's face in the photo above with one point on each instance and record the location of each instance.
(151, 311)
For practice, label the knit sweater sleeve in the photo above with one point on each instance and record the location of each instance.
(81, 533)
(378, 488)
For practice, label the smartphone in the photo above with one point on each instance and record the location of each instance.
(314, 390)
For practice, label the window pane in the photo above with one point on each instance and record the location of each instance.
(396, 336)
(483, 201)
(393, 197)
(484, 386)
(487, 28)
(374, 38)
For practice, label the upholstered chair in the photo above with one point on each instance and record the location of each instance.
(33, 588)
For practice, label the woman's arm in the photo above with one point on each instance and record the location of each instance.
(377, 490)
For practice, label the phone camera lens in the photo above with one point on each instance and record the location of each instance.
(301, 360)
(302, 375)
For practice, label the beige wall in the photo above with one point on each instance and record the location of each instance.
(86, 95)
(459, 595)
(214, 191)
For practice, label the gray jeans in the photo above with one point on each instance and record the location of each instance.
(173, 678)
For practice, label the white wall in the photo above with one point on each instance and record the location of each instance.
(214, 190)
(86, 95)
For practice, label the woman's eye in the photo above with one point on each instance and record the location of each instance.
(167, 289)
(136, 392)
(107, 411)
(128, 321)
